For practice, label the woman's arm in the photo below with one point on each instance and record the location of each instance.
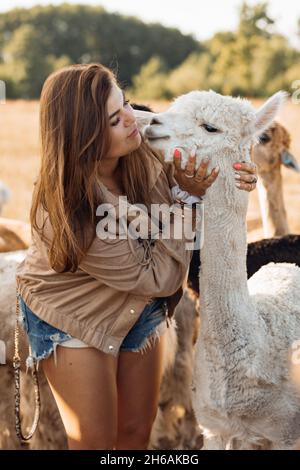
(147, 268)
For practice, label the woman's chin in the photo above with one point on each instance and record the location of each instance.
(136, 142)
(134, 145)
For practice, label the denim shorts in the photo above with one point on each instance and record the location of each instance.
(44, 338)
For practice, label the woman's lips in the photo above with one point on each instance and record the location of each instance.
(134, 133)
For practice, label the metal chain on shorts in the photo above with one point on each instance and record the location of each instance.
(17, 368)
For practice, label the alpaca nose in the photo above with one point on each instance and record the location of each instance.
(154, 121)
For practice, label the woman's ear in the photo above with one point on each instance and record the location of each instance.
(265, 115)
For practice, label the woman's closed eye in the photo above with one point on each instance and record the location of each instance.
(116, 122)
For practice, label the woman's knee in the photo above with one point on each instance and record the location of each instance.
(135, 433)
(97, 434)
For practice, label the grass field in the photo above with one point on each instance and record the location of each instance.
(19, 162)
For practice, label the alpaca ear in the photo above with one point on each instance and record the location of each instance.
(265, 115)
(288, 160)
(143, 118)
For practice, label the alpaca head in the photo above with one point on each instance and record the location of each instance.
(272, 151)
(217, 126)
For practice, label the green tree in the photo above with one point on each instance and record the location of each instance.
(27, 64)
(255, 21)
(254, 59)
(193, 74)
(150, 83)
(83, 34)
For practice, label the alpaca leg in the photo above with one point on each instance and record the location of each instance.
(237, 444)
(284, 446)
(214, 443)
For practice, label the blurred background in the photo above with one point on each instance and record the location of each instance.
(159, 50)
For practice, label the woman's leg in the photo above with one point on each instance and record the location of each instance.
(139, 378)
(84, 386)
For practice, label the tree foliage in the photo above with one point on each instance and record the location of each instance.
(254, 60)
(152, 60)
(36, 41)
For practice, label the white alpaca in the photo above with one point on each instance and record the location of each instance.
(242, 393)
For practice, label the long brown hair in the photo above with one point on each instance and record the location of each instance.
(74, 136)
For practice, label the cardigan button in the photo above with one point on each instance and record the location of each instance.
(110, 347)
(132, 310)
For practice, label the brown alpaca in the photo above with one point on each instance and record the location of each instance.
(270, 154)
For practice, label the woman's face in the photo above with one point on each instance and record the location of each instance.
(124, 133)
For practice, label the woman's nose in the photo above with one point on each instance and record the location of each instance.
(129, 117)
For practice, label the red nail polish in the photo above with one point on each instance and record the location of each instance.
(238, 166)
(176, 153)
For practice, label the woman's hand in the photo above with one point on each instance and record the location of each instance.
(191, 180)
(245, 176)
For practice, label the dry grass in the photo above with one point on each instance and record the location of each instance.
(19, 161)
(19, 155)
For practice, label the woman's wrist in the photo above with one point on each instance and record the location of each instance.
(190, 214)
(184, 197)
(190, 204)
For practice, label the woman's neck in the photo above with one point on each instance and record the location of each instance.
(110, 175)
(109, 168)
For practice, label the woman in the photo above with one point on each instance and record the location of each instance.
(100, 304)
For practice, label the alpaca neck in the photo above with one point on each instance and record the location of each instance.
(229, 320)
(272, 204)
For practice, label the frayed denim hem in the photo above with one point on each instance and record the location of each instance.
(57, 341)
(150, 340)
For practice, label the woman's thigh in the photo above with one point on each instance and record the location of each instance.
(84, 386)
(139, 378)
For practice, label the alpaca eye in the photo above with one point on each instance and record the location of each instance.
(264, 138)
(210, 128)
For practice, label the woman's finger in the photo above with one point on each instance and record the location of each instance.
(190, 166)
(246, 178)
(249, 167)
(246, 186)
(201, 171)
(211, 178)
(177, 160)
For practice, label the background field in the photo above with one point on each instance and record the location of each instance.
(19, 162)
